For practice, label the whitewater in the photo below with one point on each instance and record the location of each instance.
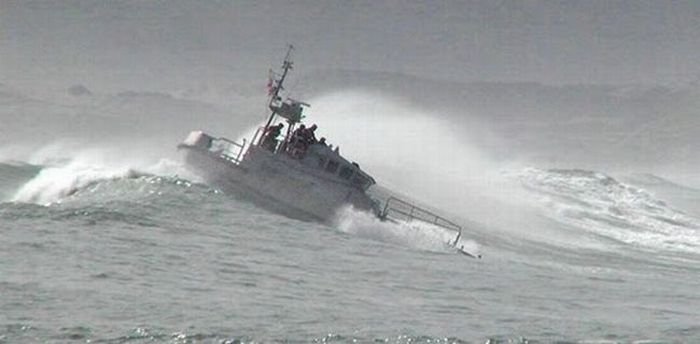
(107, 237)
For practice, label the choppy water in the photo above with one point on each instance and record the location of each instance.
(578, 185)
(123, 256)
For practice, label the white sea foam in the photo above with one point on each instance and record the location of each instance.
(599, 204)
(416, 234)
(419, 153)
(67, 170)
(55, 183)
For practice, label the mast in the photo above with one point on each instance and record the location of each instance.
(286, 66)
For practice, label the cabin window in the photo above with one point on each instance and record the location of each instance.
(332, 166)
(345, 172)
(360, 181)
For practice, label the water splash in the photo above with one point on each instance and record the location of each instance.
(599, 204)
(416, 234)
(64, 174)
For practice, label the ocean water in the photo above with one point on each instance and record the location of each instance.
(583, 202)
(128, 256)
(563, 137)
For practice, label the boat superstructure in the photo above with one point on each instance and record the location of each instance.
(290, 172)
(311, 188)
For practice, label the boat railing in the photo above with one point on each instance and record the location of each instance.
(228, 149)
(397, 209)
(257, 134)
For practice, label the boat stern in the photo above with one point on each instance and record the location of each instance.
(196, 139)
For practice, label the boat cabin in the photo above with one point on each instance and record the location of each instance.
(311, 154)
(323, 158)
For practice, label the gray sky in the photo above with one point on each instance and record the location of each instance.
(219, 52)
(159, 43)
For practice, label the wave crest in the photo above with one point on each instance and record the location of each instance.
(602, 205)
(52, 184)
(62, 177)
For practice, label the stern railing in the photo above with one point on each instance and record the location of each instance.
(397, 209)
(228, 149)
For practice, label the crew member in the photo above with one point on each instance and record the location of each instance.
(310, 135)
(270, 140)
(298, 133)
(296, 145)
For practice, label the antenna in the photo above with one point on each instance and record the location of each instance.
(277, 84)
(286, 66)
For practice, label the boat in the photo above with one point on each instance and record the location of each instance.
(295, 174)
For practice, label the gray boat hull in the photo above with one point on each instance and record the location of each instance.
(277, 183)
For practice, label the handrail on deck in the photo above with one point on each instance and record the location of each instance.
(412, 212)
(232, 142)
(255, 136)
(240, 146)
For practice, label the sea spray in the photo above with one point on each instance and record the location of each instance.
(416, 152)
(599, 204)
(55, 183)
(415, 234)
(64, 171)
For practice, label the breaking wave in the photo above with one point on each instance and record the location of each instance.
(586, 205)
(601, 205)
(51, 177)
(53, 184)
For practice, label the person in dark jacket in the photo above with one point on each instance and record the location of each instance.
(310, 135)
(270, 139)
